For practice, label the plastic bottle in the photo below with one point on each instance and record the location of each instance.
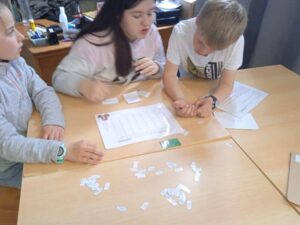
(168, 4)
(25, 11)
(63, 21)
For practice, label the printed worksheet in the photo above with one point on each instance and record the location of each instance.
(138, 124)
(242, 100)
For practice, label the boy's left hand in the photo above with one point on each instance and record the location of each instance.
(203, 107)
(52, 132)
(184, 109)
(146, 66)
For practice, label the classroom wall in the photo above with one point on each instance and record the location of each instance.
(278, 40)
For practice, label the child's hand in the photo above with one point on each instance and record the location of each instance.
(84, 152)
(94, 90)
(53, 132)
(146, 67)
(203, 107)
(184, 108)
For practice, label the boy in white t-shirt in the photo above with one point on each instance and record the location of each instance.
(209, 46)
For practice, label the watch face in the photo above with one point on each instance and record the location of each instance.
(61, 151)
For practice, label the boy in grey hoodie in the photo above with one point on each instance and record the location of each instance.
(21, 89)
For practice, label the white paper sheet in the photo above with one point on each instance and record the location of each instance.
(231, 122)
(242, 100)
(138, 124)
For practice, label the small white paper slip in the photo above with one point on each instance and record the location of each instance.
(180, 169)
(159, 172)
(110, 101)
(189, 204)
(185, 133)
(183, 188)
(197, 177)
(144, 206)
(140, 175)
(182, 198)
(121, 208)
(229, 145)
(297, 158)
(231, 122)
(132, 97)
(135, 166)
(92, 184)
(151, 168)
(83, 182)
(172, 201)
(106, 186)
(171, 165)
(143, 93)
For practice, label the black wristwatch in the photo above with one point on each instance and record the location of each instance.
(214, 102)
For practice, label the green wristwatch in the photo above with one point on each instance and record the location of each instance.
(60, 157)
(214, 102)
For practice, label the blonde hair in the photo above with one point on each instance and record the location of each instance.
(221, 22)
(2, 7)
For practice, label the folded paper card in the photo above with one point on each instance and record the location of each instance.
(293, 190)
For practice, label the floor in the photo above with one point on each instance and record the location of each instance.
(9, 205)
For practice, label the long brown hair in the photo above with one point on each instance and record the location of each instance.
(108, 20)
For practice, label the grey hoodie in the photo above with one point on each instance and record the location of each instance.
(20, 90)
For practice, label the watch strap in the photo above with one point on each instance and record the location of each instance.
(60, 157)
(214, 102)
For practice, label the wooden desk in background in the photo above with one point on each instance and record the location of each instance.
(46, 58)
(231, 191)
(278, 118)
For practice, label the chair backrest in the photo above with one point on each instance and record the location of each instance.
(45, 9)
(8, 3)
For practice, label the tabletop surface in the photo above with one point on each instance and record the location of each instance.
(278, 118)
(80, 122)
(231, 190)
(243, 178)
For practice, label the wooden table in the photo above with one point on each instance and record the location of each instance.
(46, 58)
(80, 123)
(278, 117)
(231, 191)
(243, 178)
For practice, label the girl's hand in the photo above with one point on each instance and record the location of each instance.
(146, 66)
(94, 90)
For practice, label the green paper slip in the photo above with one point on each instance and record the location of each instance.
(171, 143)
